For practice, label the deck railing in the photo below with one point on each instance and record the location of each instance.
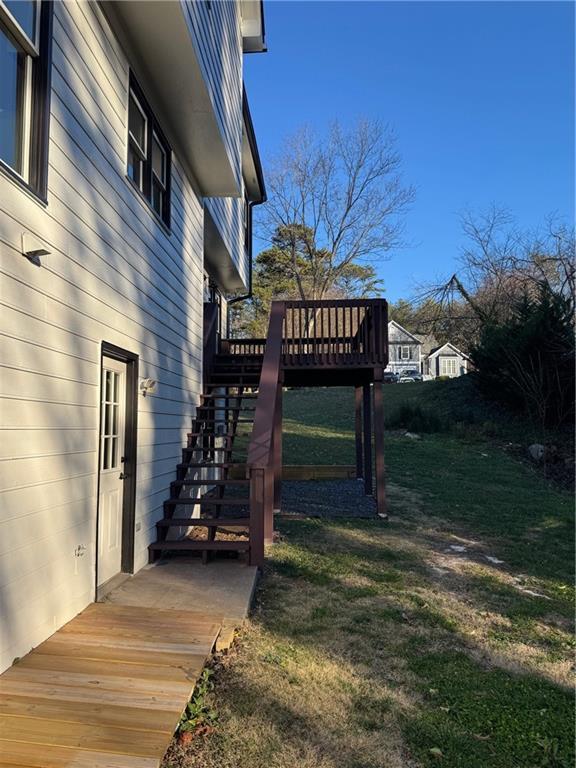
(335, 333)
(243, 346)
(326, 334)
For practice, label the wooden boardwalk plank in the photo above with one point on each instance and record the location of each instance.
(106, 691)
(63, 733)
(189, 670)
(194, 646)
(17, 753)
(86, 650)
(78, 712)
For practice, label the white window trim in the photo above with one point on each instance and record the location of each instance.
(31, 51)
(20, 37)
(403, 349)
(142, 150)
(162, 182)
(448, 366)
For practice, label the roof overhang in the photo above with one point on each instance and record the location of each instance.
(251, 165)
(454, 349)
(217, 260)
(401, 328)
(253, 32)
(174, 75)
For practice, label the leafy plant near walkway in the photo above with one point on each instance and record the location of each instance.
(198, 713)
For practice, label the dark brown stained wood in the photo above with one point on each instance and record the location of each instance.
(227, 502)
(358, 430)
(195, 545)
(379, 443)
(217, 522)
(367, 422)
(105, 691)
(309, 343)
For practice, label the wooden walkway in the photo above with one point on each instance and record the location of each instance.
(107, 690)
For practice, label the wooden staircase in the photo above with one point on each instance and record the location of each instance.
(228, 483)
(210, 492)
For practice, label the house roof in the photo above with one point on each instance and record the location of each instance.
(400, 328)
(437, 350)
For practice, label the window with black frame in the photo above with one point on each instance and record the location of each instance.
(148, 166)
(25, 45)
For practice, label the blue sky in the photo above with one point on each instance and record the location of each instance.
(480, 95)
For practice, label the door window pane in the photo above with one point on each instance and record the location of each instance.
(110, 419)
(113, 462)
(24, 11)
(12, 75)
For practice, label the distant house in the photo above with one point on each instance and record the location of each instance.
(404, 350)
(446, 360)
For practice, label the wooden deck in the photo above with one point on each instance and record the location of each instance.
(107, 689)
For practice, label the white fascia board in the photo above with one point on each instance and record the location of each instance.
(158, 31)
(452, 347)
(252, 26)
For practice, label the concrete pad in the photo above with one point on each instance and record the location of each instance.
(220, 588)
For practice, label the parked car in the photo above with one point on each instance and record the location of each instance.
(390, 377)
(410, 376)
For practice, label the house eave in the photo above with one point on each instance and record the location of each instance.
(253, 29)
(175, 77)
(217, 260)
(401, 328)
(251, 164)
(436, 352)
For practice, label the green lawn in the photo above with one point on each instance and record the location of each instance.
(378, 645)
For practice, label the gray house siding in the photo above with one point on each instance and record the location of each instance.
(217, 35)
(446, 361)
(404, 350)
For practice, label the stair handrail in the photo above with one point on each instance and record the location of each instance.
(210, 337)
(260, 468)
(260, 447)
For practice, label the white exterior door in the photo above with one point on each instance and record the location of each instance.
(112, 432)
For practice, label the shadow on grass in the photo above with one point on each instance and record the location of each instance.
(476, 714)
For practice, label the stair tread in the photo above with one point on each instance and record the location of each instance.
(250, 395)
(212, 434)
(217, 465)
(212, 502)
(208, 522)
(208, 481)
(195, 545)
(222, 421)
(225, 408)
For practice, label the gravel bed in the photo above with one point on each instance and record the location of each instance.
(327, 498)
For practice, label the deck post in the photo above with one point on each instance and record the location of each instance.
(257, 512)
(277, 450)
(379, 442)
(358, 429)
(367, 413)
(269, 505)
